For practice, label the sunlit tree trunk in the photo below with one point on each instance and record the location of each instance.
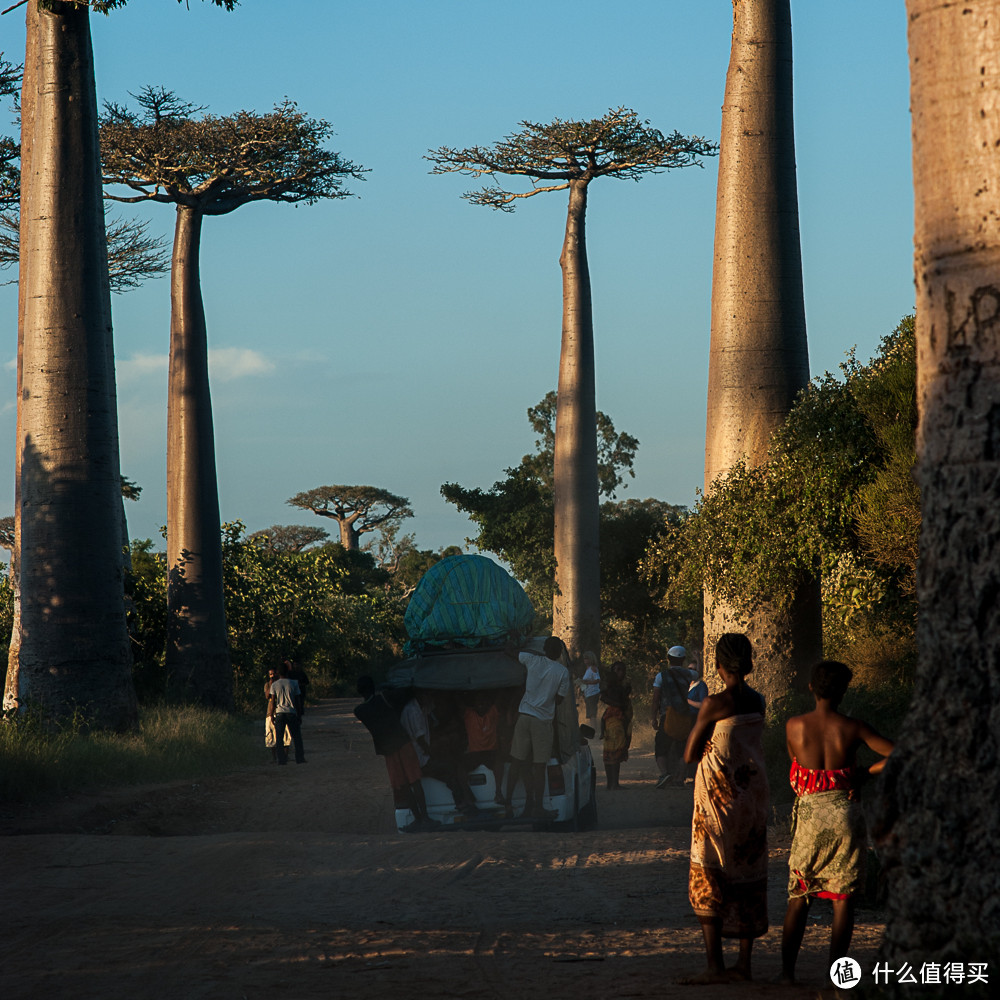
(29, 83)
(758, 357)
(937, 816)
(576, 605)
(73, 650)
(197, 643)
(349, 536)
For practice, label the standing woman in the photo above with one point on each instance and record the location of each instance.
(616, 693)
(727, 885)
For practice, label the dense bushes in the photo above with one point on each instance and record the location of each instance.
(332, 611)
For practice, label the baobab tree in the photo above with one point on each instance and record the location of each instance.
(758, 357)
(356, 509)
(937, 814)
(70, 649)
(561, 156)
(290, 537)
(205, 165)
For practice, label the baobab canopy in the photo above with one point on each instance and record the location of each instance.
(562, 152)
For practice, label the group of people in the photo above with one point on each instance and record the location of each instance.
(716, 737)
(677, 695)
(446, 736)
(727, 883)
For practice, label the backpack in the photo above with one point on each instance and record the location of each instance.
(676, 723)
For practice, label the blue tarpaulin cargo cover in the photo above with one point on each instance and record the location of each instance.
(467, 601)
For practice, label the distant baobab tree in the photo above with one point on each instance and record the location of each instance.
(205, 165)
(356, 509)
(290, 537)
(758, 357)
(561, 156)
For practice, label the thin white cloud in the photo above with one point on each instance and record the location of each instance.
(228, 363)
(140, 365)
(11, 365)
(224, 364)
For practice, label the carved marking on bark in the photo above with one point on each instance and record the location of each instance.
(979, 324)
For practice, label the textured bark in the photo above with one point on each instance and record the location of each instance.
(937, 818)
(576, 604)
(73, 651)
(758, 359)
(197, 641)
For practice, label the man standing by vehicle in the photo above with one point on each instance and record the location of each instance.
(392, 742)
(546, 685)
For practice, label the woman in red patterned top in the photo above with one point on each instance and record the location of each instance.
(829, 839)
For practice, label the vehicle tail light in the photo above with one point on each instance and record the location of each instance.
(557, 785)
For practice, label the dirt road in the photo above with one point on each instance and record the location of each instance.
(291, 879)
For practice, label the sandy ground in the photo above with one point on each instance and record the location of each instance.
(293, 879)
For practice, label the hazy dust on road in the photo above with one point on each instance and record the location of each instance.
(293, 879)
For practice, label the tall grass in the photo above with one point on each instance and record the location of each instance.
(172, 742)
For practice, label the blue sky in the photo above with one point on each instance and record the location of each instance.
(397, 339)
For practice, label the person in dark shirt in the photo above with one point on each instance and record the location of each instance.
(296, 673)
(392, 742)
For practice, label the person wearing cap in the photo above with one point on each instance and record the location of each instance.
(670, 692)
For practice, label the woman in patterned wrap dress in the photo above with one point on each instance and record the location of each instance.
(727, 885)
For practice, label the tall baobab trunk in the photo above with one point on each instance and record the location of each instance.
(197, 642)
(758, 357)
(73, 650)
(576, 605)
(937, 819)
(29, 85)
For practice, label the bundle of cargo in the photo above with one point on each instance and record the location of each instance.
(467, 601)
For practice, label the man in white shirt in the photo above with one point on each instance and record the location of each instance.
(546, 684)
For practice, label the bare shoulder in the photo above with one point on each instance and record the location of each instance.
(717, 706)
(795, 725)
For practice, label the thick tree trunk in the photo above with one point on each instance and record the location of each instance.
(937, 816)
(73, 650)
(576, 604)
(758, 357)
(29, 85)
(197, 641)
(349, 536)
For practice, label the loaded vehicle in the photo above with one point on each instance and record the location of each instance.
(467, 621)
